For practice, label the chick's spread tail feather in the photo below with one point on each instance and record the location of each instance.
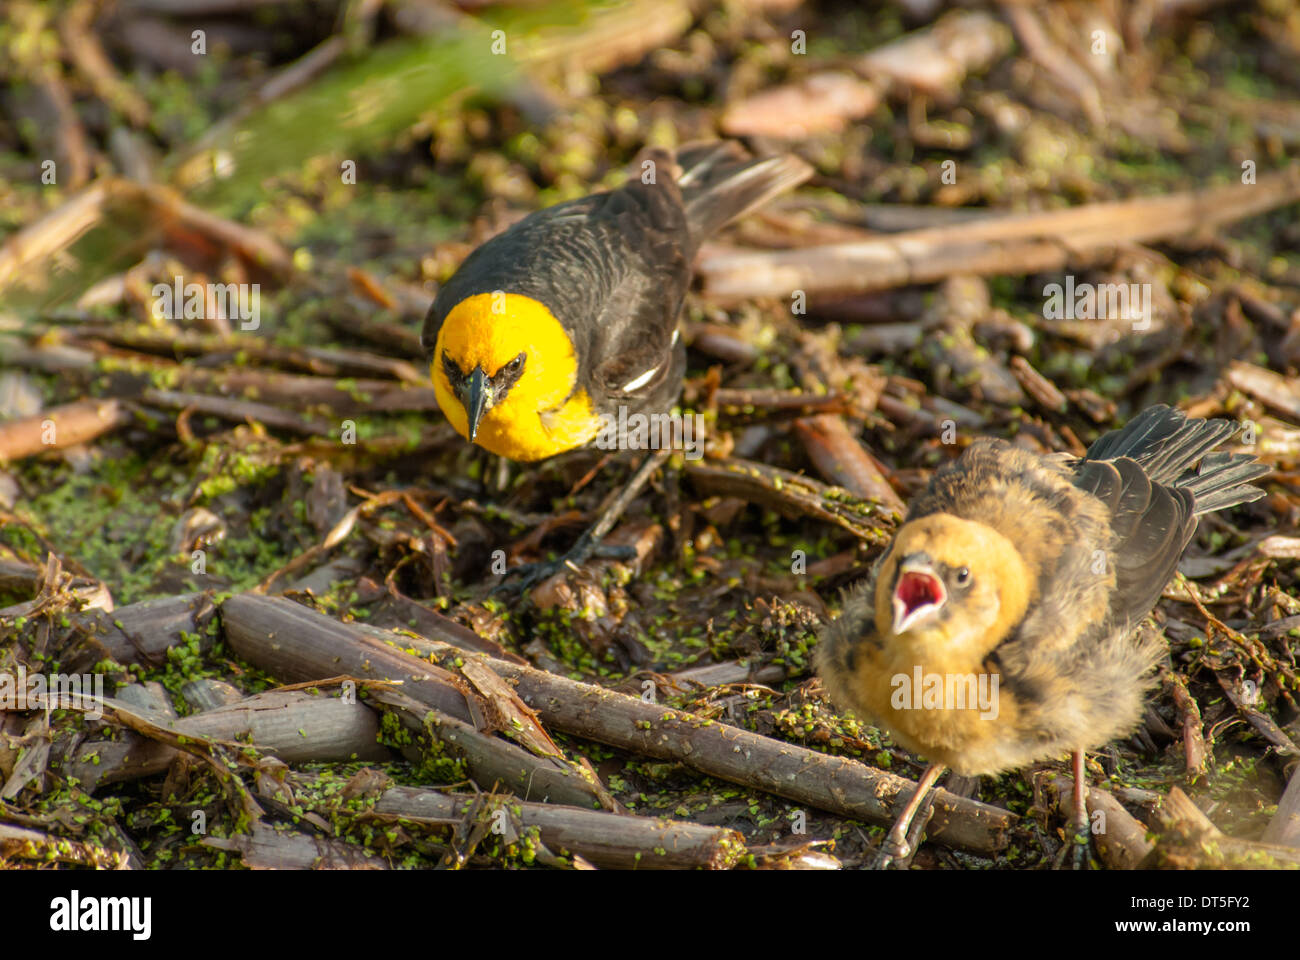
(721, 182)
(1166, 445)
(1162, 441)
(1155, 476)
(1223, 480)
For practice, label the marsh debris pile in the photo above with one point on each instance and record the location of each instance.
(243, 511)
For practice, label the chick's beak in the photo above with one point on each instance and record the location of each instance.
(478, 400)
(918, 592)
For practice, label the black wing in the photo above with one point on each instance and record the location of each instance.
(1151, 524)
(614, 267)
(1156, 475)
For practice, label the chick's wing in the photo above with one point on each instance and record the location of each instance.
(1150, 524)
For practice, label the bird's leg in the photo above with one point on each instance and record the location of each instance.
(589, 545)
(1081, 825)
(897, 844)
(1080, 794)
(916, 834)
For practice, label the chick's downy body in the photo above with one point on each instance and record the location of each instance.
(1031, 572)
(572, 313)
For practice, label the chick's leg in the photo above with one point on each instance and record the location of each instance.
(896, 845)
(1082, 831)
(1080, 793)
(525, 577)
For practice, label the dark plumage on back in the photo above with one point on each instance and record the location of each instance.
(614, 267)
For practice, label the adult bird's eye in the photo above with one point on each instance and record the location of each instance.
(963, 575)
(452, 368)
(515, 365)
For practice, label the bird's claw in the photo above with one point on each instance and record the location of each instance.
(1080, 856)
(611, 551)
(1078, 846)
(892, 849)
(1082, 845)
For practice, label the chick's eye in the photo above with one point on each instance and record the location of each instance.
(963, 575)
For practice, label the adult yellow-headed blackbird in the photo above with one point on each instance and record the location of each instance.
(1028, 574)
(573, 312)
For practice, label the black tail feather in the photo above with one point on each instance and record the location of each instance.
(1222, 481)
(1167, 445)
(720, 182)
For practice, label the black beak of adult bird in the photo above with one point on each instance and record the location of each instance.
(476, 400)
(918, 593)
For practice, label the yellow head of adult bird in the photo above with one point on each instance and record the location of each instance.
(573, 312)
(505, 375)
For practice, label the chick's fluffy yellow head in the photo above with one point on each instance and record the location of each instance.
(951, 586)
(526, 363)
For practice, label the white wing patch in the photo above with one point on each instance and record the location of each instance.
(645, 378)
(641, 381)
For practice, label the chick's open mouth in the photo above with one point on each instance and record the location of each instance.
(916, 590)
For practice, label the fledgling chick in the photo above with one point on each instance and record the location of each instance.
(1028, 574)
